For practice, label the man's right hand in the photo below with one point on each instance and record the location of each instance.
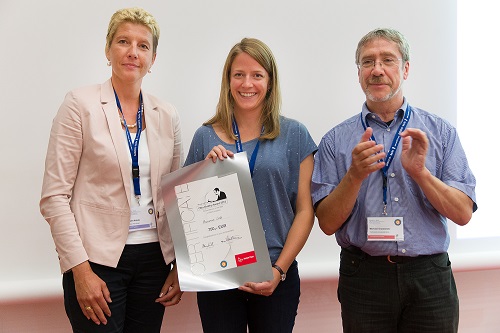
(367, 157)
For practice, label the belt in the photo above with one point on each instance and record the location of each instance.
(389, 258)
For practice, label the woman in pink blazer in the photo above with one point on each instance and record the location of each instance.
(109, 146)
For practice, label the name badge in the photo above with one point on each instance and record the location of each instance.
(142, 218)
(386, 228)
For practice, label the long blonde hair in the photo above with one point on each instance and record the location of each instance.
(272, 102)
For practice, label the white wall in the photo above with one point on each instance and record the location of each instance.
(52, 46)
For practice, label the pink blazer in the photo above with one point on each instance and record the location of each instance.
(86, 185)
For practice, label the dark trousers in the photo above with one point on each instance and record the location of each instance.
(231, 311)
(134, 285)
(418, 295)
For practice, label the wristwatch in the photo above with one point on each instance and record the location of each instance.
(282, 274)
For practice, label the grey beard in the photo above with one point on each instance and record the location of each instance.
(386, 97)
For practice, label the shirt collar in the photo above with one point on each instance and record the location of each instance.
(399, 113)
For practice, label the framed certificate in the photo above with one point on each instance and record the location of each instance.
(215, 225)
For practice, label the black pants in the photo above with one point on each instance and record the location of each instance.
(134, 285)
(413, 296)
(232, 311)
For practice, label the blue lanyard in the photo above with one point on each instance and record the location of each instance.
(392, 151)
(134, 146)
(239, 146)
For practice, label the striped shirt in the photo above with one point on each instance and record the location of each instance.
(425, 229)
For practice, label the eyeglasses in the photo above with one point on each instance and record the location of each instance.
(385, 63)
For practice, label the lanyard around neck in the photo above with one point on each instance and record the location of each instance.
(134, 145)
(239, 145)
(392, 151)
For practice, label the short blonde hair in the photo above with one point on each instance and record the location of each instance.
(133, 15)
(272, 103)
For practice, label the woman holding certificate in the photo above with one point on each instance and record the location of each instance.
(109, 145)
(280, 152)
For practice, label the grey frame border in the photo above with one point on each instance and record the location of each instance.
(234, 277)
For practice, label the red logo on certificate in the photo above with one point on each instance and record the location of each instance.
(246, 258)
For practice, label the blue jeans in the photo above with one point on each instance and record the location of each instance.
(379, 296)
(134, 285)
(231, 311)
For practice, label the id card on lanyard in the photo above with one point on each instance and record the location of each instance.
(387, 228)
(140, 217)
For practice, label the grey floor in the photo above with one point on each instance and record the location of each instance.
(319, 310)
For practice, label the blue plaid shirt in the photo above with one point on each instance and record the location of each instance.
(425, 229)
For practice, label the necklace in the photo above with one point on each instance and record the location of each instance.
(128, 125)
(134, 125)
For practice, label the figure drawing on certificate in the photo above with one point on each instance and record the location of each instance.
(216, 195)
